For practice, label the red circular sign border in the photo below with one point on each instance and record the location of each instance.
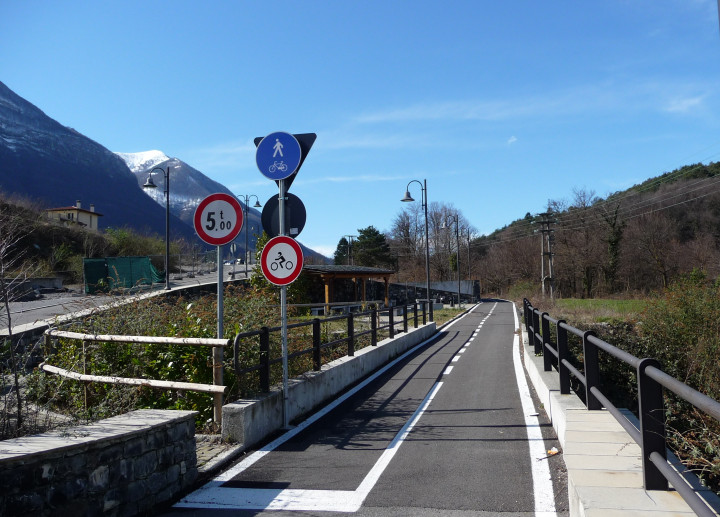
(298, 267)
(197, 223)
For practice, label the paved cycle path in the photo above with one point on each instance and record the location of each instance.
(443, 430)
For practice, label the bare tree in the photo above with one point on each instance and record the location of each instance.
(579, 251)
(12, 279)
(406, 240)
(654, 238)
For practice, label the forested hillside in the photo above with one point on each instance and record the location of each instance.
(631, 242)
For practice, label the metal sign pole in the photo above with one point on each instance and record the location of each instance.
(218, 351)
(217, 220)
(283, 311)
(219, 293)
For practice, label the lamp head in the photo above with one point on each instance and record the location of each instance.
(407, 197)
(149, 183)
(257, 204)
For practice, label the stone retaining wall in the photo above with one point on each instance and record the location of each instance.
(121, 466)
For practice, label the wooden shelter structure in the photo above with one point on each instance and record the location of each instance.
(329, 273)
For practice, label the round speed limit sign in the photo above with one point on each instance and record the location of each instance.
(218, 219)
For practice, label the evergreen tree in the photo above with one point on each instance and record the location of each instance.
(371, 249)
(342, 252)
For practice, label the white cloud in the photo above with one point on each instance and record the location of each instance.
(512, 140)
(227, 154)
(323, 249)
(364, 178)
(348, 139)
(684, 105)
(605, 96)
(455, 110)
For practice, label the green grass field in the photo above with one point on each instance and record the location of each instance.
(619, 306)
(597, 310)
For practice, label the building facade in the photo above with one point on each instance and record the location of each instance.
(70, 215)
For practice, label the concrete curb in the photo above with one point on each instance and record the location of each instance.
(250, 421)
(604, 463)
(232, 450)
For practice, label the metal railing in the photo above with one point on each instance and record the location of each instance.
(651, 380)
(378, 319)
(217, 389)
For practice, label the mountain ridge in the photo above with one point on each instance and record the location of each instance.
(56, 165)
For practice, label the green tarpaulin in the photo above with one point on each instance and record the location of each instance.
(118, 272)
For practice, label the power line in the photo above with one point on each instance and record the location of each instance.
(593, 217)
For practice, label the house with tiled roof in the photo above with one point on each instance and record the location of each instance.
(75, 215)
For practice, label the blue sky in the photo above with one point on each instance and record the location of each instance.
(499, 105)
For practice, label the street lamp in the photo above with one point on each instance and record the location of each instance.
(246, 221)
(457, 256)
(408, 198)
(149, 184)
(468, 250)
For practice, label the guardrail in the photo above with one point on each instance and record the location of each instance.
(374, 317)
(217, 389)
(651, 380)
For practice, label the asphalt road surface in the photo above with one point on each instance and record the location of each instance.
(448, 429)
(74, 300)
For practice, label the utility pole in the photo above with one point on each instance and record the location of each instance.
(546, 236)
(350, 243)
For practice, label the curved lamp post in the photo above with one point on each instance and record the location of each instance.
(246, 221)
(408, 198)
(149, 184)
(456, 218)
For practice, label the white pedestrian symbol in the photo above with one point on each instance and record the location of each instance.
(278, 148)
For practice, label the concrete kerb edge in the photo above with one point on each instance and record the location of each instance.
(564, 408)
(250, 421)
(223, 459)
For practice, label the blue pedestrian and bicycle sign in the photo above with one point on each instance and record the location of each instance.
(278, 155)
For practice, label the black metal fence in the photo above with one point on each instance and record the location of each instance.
(651, 380)
(374, 323)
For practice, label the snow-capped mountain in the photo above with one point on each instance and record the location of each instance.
(143, 161)
(43, 160)
(55, 165)
(188, 187)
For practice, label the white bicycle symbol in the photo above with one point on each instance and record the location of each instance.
(278, 166)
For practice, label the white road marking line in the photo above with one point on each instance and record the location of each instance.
(455, 359)
(214, 495)
(310, 500)
(448, 370)
(372, 477)
(542, 480)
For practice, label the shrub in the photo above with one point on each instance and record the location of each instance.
(244, 309)
(682, 330)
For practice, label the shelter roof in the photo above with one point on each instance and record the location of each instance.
(341, 271)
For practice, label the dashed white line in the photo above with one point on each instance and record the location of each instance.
(213, 495)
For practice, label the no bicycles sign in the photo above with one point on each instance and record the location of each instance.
(281, 260)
